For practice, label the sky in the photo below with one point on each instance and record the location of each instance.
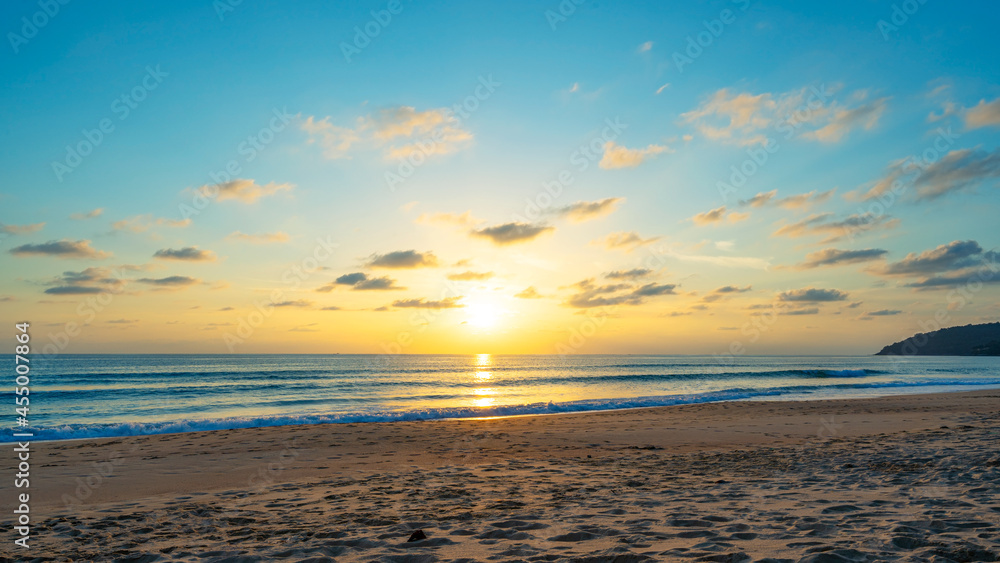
(726, 178)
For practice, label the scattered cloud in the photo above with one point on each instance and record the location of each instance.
(142, 223)
(746, 119)
(645, 47)
(360, 281)
(188, 253)
(398, 132)
(446, 303)
(242, 190)
(715, 216)
(470, 276)
(883, 313)
(662, 88)
(22, 229)
(528, 293)
(836, 257)
(812, 295)
(627, 241)
(302, 303)
(263, 238)
(172, 282)
(633, 274)
(581, 211)
(984, 114)
(464, 220)
(64, 248)
(849, 227)
(844, 120)
(510, 233)
(960, 170)
(93, 214)
(590, 295)
(805, 311)
(617, 156)
(955, 255)
(760, 199)
(403, 259)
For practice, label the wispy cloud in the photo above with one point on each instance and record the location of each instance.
(627, 241)
(511, 233)
(470, 276)
(528, 293)
(403, 259)
(983, 114)
(170, 282)
(142, 223)
(64, 248)
(812, 295)
(93, 214)
(617, 156)
(632, 274)
(398, 132)
(822, 224)
(715, 216)
(22, 229)
(836, 257)
(446, 303)
(242, 190)
(263, 238)
(590, 295)
(188, 253)
(581, 211)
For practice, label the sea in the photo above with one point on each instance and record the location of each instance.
(88, 396)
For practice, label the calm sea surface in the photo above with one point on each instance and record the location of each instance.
(78, 396)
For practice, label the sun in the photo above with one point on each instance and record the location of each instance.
(483, 315)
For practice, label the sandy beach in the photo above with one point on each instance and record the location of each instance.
(907, 478)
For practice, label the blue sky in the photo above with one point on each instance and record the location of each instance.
(316, 136)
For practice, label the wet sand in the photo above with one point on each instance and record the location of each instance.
(908, 478)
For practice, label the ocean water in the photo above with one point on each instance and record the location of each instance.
(80, 396)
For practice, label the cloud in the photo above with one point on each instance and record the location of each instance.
(865, 116)
(332, 308)
(92, 280)
(470, 276)
(984, 114)
(590, 295)
(716, 216)
(403, 259)
(188, 253)
(22, 229)
(528, 293)
(883, 313)
(958, 278)
(398, 132)
(617, 156)
(142, 223)
(627, 241)
(760, 199)
(64, 248)
(242, 190)
(806, 311)
(645, 47)
(851, 226)
(957, 171)
(170, 281)
(633, 274)
(723, 261)
(660, 91)
(263, 238)
(464, 220)
(947, 257)
(510, 233)
(335, 141)
(295, 303)
(747, 119)
(93, 214)
(581, 211)
(724, 292)
(812, 295)
(360, 281)
(835, 257)
(446, 303)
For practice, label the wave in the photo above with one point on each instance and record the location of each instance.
(79, 431)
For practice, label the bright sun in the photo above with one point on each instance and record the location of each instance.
(482, 315)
